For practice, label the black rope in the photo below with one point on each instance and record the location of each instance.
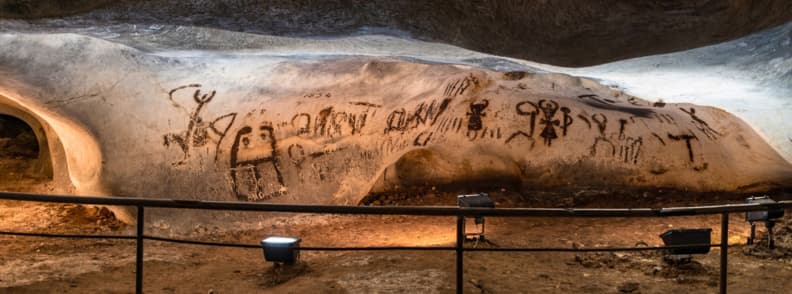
(369, 248)
(309, 248)
(205, 243)
(398, 210)
(74, 236)
(604, 249)
(382, 248)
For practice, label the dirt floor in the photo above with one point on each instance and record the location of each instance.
(38, 265)
(46, 265)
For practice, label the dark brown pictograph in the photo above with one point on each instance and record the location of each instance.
(475, 114)
(602, 123)
(549, 109)
(659, 138)
(321, 122)
(401, 120)
(607, 104)
(296, 154)
(396, 121)
(330, 122)
(366, 104)
(302, 122)
(585, 120)
(526, 108)
(459, 86)
(422, 139)
(473, 135)
(199, 132)
(255, 170)
(318, 95)
(567, 120)
(686, 138)
(592, 97)
(622, 126)
(393, 144)
(701, 125)
(665, 118)
(630, 149)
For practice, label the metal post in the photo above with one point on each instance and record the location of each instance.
(460, 242)
(724, 251)
(139, 246)
(770, 239)
(753, 233)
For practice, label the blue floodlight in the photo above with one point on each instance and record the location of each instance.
(281, 249)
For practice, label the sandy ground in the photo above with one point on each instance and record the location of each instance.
(46, 265)
(38, 265)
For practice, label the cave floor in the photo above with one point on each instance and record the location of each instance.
(38, 265)
(54, 265)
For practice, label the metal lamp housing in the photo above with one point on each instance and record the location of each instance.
(481, 200)
(475, 200)
(281, 249)
(763, 215)
(682, 237)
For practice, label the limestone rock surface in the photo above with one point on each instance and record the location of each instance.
(331, 130)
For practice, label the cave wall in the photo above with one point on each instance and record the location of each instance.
(560, 32)
(263, 128)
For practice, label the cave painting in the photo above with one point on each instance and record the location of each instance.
(686, 138)
(333, 123)
(632, 108)
(200, 132)
(401, 120)
(549, 109)
(630, 149)
(475, 114)
(255, 163)
(700, 124)
(459, 86)
(255, 169)
(531, 110)
(602, 124)
(302, 122)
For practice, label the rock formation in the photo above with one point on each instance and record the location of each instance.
(331, 130)
(559, 32)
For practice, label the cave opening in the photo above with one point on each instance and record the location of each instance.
(23, 159)
(429, 177)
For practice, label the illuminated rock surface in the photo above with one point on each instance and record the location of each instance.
(233, 126)
(383, 103)
(198, 100)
